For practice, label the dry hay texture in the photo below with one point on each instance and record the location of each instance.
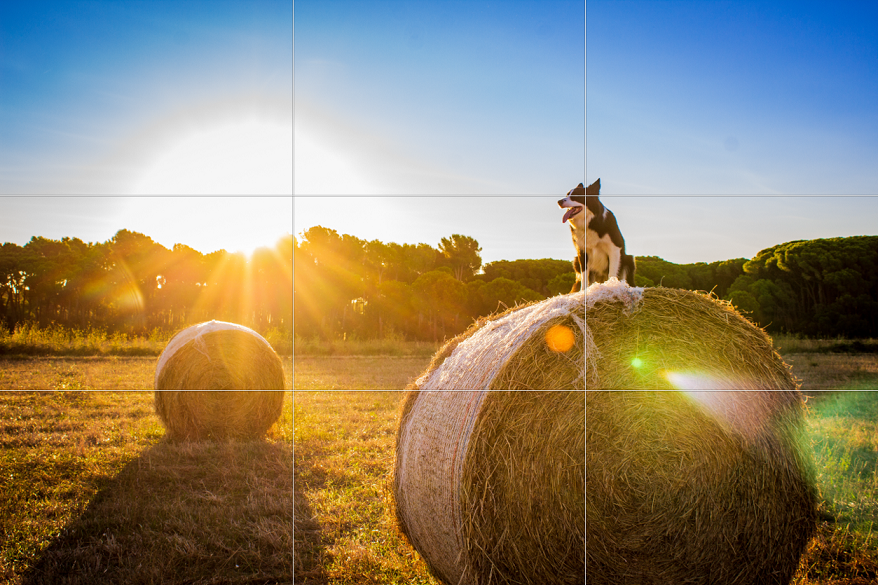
(488, 486)
(198, 416)
(671, 339)
(696, 488)
(222, 357)
(219, 356)
(537, 346)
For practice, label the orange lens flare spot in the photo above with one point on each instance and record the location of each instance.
(560, 338)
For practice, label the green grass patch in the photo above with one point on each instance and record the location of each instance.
(842, 429)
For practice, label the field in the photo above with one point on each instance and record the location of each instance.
(92, 494)
(345, 533)
(89, 373)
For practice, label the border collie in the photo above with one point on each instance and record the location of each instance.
(575, 203)
(605, 255)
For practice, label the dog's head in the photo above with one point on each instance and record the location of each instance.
(574, 202)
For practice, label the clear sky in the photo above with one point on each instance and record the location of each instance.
(444, 117)
(147, 97)
(440, 97)
(206, 224)
(733, 98)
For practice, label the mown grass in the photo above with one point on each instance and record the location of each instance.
(842, 428)
(344, 529)
(391, 345)
(29, 340)
(92, 493)
(357, 372)
(89, 373)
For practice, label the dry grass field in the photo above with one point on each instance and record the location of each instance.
(89, 373)
(345, 533)
(92, 493)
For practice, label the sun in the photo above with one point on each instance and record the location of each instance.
(243, 158)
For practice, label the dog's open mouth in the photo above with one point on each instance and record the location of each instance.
(571, 212)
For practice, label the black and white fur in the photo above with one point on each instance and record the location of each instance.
(575, 203)
(605, 255)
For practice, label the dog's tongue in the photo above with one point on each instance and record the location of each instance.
(570, 213)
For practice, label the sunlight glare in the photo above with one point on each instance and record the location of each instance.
(249, 158)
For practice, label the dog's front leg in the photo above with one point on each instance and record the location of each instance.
(614, 255)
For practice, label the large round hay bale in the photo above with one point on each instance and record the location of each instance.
(671, 339)
(537, 346)
(219, 356)
(198, 416)
(489, 486)
(696, 488)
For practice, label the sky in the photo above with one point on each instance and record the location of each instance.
(772, 100)
(146, 98)
(207, 224)
(418, 120)
(445, 97)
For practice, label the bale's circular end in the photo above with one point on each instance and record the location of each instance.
(489, 487)
(217, 415)
(671, 339)
(696, 487)
(219, 356)
(537, 346)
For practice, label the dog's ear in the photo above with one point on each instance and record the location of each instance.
(594, 188)
(577, 190)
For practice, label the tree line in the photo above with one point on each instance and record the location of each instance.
(817, 288)
(131, 283)
(346, 287)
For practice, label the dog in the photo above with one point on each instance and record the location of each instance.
(574, 203)
(605, 255)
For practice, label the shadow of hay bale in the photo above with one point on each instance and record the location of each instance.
(699, 488)
(489, 486)
(536, 346)
(672, 339)
(217, 415)
(183, 513)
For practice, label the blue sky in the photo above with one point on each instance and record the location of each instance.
(439, 98)
(152, 97)
(418, 120)
(719, 99)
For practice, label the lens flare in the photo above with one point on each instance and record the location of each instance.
(560, 338)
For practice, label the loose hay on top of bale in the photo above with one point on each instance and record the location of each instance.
(488, 486)
(671, 339)
(218, 415)
(219, 356)
(696, 487)
(537, 346)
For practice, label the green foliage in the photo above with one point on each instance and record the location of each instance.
(821, 288)
(131, 284)
(418, 292)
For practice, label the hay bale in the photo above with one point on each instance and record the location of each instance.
(489, 488)
(196, 416)
(219, 356)
(696, 487)
(537, 346)
(671, 339)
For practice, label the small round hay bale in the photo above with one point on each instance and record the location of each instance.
(537, 346)
(196, 416)
(219, 356)
(671, 339)
(488, 486)
(696, 487)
